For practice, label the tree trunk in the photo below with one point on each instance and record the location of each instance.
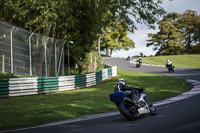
(107, 51)
(111, 51)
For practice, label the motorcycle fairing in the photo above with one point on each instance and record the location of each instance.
(117, 97)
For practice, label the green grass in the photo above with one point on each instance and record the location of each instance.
(24, 111)
(185, 61)
(8, 75)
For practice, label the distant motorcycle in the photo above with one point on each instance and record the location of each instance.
(130, 57)
(170, 67)
(132, 104)
(138, 63)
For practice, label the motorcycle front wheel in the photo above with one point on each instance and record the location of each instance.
(153, 110)
(128, 111)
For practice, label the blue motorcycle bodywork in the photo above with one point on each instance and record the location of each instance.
(117, 97)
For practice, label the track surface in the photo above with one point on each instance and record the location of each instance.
(188, 73)
(177, 117)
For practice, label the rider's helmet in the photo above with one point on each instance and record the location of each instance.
(121, 81)
(167, 60)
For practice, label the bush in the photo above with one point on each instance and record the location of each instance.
(8, 75)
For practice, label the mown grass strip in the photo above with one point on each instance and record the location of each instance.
(24, 111)
(184, 61)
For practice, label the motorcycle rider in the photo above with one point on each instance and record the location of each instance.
(132, 104)
(139, 62)
(169, 63)
(121, 86)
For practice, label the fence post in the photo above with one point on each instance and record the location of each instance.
(11, 49)
(3, 65)
(68, 55)
(56, 72)
(30, 54)
(68, 59)
(61, 54)
(90, 57)
(45, 56)
(63, 68)
(95, 63)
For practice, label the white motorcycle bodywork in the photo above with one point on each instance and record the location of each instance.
(145, 109)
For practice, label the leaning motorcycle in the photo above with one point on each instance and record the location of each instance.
(132, 104)
(138, 64)
(170, 67)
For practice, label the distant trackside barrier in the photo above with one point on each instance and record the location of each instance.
(30, 86)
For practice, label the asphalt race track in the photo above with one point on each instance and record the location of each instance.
(188, 73)
(177, 117)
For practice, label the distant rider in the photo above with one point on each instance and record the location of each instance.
(169, 63)
(139, 60)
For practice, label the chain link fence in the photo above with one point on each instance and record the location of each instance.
(26, 53)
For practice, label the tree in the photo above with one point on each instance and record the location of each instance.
(115, 38)
(79, 21)
(169, 40)
(188, 25)
(177, 33)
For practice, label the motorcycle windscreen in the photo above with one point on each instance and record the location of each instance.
(117, 97)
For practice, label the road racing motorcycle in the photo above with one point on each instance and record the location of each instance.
(138, 64)
(170, 67)
(133, 104)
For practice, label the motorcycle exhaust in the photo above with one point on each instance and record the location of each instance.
(137, 104)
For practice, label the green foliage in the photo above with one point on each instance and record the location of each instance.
(115, 38)
(169, 40)
(8, 75)
(195, 49)
(82, 21)
(88, 61)
(178, 33)
(91, 61)
(189, 27)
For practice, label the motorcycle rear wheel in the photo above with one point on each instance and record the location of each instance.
(127, 112)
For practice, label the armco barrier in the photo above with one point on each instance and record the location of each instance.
(22, 86)
(104, 74)
(90, 79)
(4, 87)
(80, 81)
(47, 84)
(31, 86)
(99, 76)
(66, 83)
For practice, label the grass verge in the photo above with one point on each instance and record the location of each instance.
(17, 112)
(185, 61)
(8, 75)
